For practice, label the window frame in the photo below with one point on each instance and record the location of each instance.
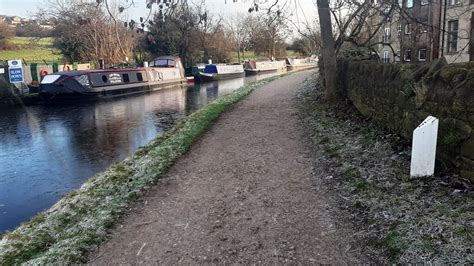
(425, 28)
(397, 57)
(419, 54)
(452, 40)
(386, 35)
(410, 2)
(452, 3)
(405, 53)
(407, 30)
(386, 56)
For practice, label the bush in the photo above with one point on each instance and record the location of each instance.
(4, 87)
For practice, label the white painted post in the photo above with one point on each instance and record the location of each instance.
(145, 64)
(423, 153)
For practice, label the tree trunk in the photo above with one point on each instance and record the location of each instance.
(471, 39)
(328, 52)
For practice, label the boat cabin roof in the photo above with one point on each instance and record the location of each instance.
(95, 71)
(167, 57)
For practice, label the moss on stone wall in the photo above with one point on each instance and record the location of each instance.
(401, 96)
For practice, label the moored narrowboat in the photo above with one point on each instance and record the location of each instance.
(256, 67)
(301, 63)
(73, 85)
(214, 72)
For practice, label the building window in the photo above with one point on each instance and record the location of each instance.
(386, 57)
(399, 29)
(424, 2)
(409, 3)
(400, 3)
(397, 56)
(407, 55)
(452, 36)
(454, 2)
(408, 28)
(425, 28)
(386, 35)
(422, 54)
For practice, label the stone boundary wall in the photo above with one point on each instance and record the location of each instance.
(400, 96)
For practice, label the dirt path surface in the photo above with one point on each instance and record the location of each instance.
(242, 194)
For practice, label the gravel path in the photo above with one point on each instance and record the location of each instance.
(242, 194)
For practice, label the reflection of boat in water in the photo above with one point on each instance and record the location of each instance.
(72, 85)
(222, 87)
(301, 63)
(214, 72)
(254, 67)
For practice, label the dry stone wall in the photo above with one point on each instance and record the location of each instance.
(400, 96)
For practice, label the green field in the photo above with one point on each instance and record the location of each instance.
(32, 50)
(250, 55)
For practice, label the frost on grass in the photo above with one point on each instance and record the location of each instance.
(79, 221)
(400, 219)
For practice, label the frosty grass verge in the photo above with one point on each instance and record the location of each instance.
(79, 221)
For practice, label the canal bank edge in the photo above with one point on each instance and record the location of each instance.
(79, 221)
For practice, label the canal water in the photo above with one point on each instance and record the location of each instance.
(47, 151)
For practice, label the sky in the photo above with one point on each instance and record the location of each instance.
(25, 8)
(305, 11)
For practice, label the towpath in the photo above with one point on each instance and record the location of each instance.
(242, 194)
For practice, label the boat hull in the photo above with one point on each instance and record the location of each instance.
(251, 72)
(217, 76)
(300, 67)
(56, 93)
(254, 67)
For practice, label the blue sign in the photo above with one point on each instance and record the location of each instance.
(16, 75)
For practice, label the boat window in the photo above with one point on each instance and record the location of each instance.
(139, 76)
(125, 78)
(164, 63)
(104, 78)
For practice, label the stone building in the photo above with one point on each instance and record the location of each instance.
(423, 30)
(457, 30)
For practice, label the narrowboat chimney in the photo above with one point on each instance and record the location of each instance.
(101, 63)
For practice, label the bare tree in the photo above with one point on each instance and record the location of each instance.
(5, 33)
(84, 31)
(240, 26)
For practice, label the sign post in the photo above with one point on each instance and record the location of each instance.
(15, 71)
(423, 153)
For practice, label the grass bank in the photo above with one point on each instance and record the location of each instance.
(79, 221)
(32, 50)
(398, 218)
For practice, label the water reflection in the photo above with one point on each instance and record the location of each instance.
(46, 151)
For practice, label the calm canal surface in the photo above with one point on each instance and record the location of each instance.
(47, 151)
